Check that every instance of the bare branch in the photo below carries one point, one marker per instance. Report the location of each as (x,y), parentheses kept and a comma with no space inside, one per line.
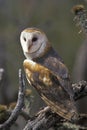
(20,103)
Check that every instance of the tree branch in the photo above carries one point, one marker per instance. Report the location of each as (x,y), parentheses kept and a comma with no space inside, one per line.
(20,103)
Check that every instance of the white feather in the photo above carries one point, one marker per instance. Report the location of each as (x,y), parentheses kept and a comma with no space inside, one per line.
(30,61)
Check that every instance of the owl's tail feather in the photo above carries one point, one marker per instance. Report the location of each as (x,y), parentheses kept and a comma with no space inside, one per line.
(68,115)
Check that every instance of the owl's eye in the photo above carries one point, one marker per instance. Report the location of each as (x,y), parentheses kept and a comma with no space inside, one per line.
(24,39)
(34,39)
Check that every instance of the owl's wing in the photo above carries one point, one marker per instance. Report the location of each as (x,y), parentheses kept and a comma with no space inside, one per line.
(49,87)
(59,69)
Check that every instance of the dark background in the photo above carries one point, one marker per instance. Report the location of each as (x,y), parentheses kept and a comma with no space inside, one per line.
(55,19)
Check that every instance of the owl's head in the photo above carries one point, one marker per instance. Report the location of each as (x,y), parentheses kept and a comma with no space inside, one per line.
(34,43)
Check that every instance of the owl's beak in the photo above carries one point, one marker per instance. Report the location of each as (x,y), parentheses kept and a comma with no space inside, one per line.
(29,46)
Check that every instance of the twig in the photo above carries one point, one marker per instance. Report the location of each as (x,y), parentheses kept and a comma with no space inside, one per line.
(20,103)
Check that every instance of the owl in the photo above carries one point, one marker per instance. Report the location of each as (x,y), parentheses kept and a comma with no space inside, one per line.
(47,73)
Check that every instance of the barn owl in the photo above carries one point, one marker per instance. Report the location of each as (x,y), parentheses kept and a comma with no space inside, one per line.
(47,73)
